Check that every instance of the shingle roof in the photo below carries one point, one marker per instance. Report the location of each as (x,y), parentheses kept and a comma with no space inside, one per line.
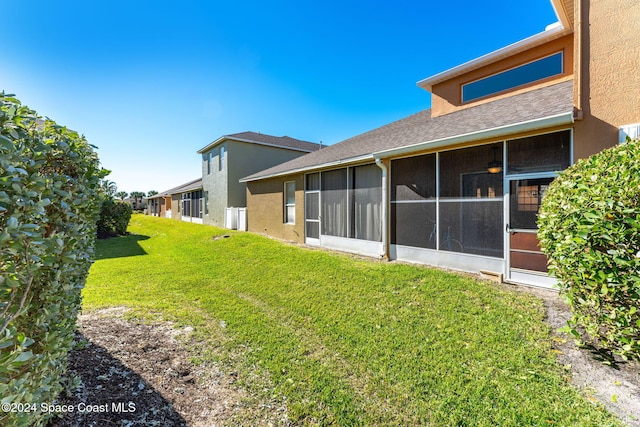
(183,188)
(421,128)
(260,138)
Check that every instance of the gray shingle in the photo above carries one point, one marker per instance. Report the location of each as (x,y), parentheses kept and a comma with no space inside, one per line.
(421,127)
(260,138)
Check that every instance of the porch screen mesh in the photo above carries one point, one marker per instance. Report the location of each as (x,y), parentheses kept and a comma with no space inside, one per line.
(334,203)
(366,184)
(312,206)
(472,227)
(413,201)
(471,202)
(312,230)
(414,224)
(548,152)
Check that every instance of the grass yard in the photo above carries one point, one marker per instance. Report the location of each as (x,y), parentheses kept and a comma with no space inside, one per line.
(345,341)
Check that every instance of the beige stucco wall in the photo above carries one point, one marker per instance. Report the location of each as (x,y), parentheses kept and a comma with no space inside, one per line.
(176,211)
(265,208)
(608,71)
(446,97)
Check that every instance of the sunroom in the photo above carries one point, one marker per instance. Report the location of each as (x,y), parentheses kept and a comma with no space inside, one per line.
(343,209)
(475,208)
(459,190)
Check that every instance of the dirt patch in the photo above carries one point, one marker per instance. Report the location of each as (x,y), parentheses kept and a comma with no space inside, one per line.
(135,374)
(616,386)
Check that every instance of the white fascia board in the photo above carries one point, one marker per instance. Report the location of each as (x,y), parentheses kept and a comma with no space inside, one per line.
(328,165)
(553,32)
(561,13)
(531,125)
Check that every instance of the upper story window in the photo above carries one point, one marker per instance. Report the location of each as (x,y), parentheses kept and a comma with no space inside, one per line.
(524,74)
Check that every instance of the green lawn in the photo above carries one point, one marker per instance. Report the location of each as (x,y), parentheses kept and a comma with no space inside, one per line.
(345,341)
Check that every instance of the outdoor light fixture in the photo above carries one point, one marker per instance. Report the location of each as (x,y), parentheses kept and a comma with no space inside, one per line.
(494,166)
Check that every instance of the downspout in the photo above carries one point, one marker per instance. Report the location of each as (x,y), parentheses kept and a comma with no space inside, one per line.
(385,226)
(578,60)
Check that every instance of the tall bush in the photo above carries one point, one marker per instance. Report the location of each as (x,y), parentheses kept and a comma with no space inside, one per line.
(590,229)
(114,218)
(49,201)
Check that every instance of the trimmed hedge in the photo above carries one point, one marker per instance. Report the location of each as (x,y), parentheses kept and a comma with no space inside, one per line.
(114,218)
(590,229)
(49,201)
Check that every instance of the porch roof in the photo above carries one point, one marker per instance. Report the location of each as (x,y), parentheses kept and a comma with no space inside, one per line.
(536,109)
(196,184)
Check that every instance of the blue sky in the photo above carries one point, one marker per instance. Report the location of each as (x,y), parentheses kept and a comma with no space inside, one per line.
(151,82)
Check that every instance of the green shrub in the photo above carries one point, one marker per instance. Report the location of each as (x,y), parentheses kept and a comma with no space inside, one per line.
(590,230)
(49,201)
(114,218)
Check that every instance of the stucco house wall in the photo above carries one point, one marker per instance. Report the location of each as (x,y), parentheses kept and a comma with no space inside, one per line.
(607,81)
(265,208)
(215,184)
(233,157)
(245,159)
(176,210)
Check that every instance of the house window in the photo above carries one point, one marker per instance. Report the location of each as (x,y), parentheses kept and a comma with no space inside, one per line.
(518,76)
(290,202)
(221,159)
(209,160)
(206,203)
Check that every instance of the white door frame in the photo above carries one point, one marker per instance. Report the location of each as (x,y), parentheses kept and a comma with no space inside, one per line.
(516,275)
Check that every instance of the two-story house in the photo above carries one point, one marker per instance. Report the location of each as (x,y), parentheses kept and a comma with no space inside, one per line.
(231,157)
(459,185)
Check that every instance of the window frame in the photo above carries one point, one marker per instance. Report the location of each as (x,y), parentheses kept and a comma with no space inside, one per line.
(221,155)
(488,94)
(287,218)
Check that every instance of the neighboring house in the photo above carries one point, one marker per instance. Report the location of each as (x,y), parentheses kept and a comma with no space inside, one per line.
(184,202)
(231,157)
(459,185)
(137,204)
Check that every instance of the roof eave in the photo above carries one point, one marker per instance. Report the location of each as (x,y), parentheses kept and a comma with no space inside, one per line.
(500,131)
(341,162)
(250,141)
(559,8)
(553,32)
(213,144)
(561,119)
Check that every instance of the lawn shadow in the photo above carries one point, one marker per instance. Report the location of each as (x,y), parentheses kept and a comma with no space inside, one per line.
(120,247)
(111,393)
